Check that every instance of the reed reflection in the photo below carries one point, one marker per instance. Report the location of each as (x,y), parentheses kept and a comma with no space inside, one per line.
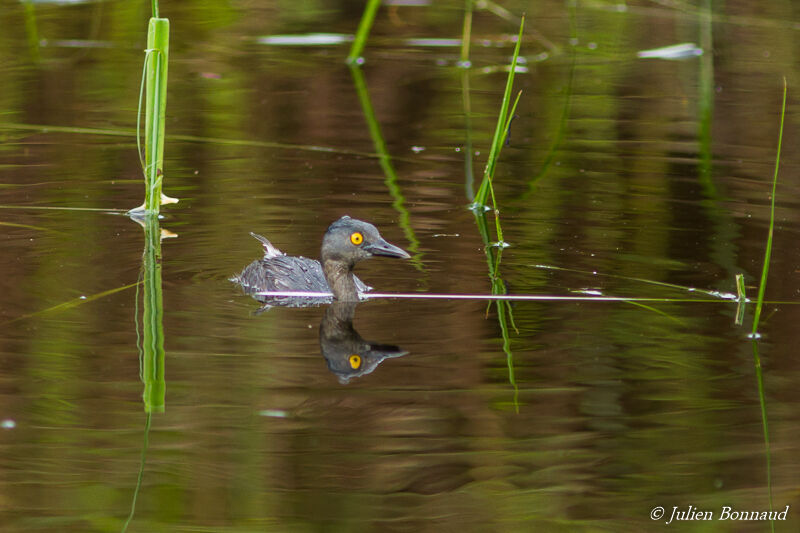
(151,341)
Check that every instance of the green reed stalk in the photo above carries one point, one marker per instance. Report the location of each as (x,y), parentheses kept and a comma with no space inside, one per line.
(768,252)
(363,31)
(501,130)
(156,62)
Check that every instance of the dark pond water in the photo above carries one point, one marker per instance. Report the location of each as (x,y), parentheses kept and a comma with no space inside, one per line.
(585,416)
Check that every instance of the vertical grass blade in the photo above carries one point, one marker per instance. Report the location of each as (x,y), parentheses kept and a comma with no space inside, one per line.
(155,110)
(501,131)
(363,32)
(768,252)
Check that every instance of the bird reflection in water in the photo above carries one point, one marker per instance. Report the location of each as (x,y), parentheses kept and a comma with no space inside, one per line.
(347,353)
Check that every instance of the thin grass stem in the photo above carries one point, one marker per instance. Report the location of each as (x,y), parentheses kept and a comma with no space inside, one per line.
(108,210)
(75,302)
(768,252)
(658,312)
(139,149)
(505,14)
(195,138)
(722,295)
(140,477)
(499,133)
(30,226)
(500,240)
(363,32)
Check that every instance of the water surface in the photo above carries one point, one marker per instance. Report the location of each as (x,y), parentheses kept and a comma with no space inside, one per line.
(588,417)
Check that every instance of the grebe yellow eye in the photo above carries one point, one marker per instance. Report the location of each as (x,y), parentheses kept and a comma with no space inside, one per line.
(356,238)
(355,361)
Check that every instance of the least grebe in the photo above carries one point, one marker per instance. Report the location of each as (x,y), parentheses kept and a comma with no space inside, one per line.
(346,242)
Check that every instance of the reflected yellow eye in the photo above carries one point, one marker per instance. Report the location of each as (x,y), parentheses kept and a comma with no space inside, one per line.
(355,359)
(356,238)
